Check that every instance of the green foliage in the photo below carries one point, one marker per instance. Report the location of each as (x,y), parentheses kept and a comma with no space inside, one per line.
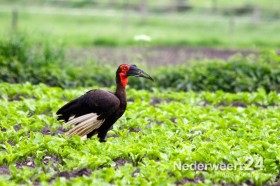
(238,74)
(150,139)
(22,60)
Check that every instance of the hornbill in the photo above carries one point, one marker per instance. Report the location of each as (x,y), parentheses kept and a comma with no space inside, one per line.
(97,110)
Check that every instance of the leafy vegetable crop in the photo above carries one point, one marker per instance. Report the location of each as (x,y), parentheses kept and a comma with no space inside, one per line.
(160,135)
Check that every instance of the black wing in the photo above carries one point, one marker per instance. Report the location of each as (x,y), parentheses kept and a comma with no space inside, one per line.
(102,102)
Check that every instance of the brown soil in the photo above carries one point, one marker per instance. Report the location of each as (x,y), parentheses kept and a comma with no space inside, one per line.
(154,56)
(135,173)
(197,179)
(240,104)
(46,131)
(11,142)
(156,101)
(28,162)
(248,182)
(134,130)
(19,97)
(55,160)
(233,104)
(72,174)
(121,162)
(112,136)
(17,127)
(4,170)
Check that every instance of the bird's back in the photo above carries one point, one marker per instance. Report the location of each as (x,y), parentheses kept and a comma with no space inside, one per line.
(101,102)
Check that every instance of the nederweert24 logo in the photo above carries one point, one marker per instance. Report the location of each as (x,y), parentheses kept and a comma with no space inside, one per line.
(249,164)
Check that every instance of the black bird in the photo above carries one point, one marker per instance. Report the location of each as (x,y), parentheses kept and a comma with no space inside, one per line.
(97,110)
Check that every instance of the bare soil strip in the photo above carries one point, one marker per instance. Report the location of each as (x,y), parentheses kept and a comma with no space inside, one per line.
(154,56)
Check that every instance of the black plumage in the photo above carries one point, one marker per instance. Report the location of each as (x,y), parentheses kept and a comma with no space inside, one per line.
(96,111)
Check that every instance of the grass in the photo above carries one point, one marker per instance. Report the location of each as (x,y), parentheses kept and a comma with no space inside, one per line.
(153,4)
(159,131)
(98,28)
(261,3)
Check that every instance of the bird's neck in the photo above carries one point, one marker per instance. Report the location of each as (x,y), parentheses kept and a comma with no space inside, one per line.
(120,91)
(123,79)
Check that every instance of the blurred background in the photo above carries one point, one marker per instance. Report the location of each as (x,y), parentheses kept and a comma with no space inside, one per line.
(149,33)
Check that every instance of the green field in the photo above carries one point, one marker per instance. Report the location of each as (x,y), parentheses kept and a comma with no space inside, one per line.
(98,27)
(160,131)
(272,4)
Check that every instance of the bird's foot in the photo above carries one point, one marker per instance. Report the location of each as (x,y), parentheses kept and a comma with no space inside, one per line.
(102,140)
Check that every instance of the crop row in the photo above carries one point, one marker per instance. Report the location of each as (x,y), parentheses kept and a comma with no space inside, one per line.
(160,131)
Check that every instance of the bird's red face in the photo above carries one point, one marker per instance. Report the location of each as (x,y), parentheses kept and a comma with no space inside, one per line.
(124,78)
(126,70)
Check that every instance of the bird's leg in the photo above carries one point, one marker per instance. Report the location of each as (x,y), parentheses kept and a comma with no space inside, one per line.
(102,135)
(92,133)
(102,140)
(103,132)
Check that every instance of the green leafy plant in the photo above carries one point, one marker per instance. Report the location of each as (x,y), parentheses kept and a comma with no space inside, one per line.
(161,132)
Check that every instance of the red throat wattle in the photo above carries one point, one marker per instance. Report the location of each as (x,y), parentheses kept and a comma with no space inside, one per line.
(124,79)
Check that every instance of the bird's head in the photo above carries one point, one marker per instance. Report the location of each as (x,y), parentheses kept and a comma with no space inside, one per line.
(126,70)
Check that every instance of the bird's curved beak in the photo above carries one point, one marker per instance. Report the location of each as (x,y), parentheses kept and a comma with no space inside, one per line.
(137,72)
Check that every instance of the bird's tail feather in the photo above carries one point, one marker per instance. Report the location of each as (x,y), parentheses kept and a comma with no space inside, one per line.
(84,124)
(75,121)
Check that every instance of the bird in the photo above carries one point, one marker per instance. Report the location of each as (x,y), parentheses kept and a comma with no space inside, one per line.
(97,110)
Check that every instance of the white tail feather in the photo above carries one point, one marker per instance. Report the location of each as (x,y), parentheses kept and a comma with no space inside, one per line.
(74,121)
(84,124)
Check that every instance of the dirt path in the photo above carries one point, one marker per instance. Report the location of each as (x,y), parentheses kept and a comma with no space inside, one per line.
(152,56)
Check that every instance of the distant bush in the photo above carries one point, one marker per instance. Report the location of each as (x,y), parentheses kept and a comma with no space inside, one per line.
(22,59)
(238,74)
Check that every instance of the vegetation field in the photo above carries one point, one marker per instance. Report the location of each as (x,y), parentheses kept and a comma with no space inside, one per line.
(164,138)
(98,27)
(272,4)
